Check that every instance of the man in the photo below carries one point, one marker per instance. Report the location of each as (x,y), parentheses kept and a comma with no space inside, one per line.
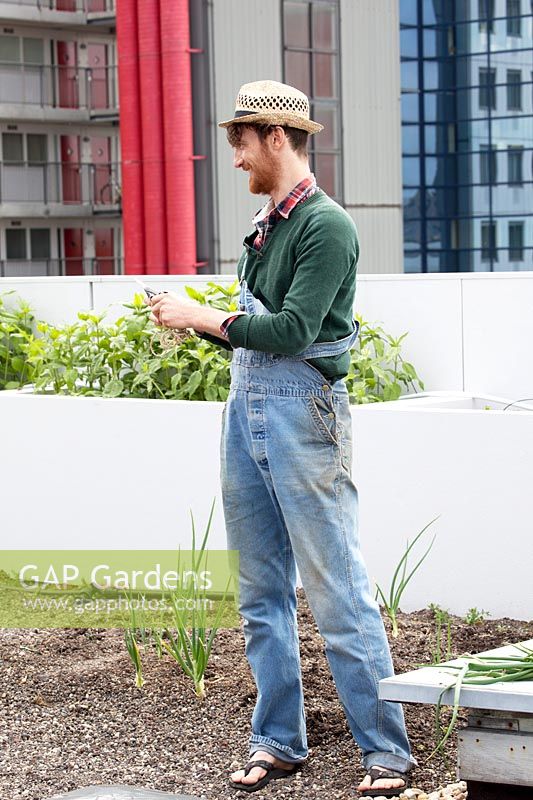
(288,496)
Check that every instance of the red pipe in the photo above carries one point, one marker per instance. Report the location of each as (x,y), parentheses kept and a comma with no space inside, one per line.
(178,127)
(130,138)
(151,102)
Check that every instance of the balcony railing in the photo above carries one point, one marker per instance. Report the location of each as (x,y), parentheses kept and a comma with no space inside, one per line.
(96,265)
(68,183)
(59,86)
(87,6)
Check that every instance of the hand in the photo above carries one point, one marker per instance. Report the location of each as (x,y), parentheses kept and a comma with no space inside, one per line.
(173,310)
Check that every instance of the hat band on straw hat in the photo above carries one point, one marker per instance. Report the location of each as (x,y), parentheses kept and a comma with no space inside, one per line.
(289,119)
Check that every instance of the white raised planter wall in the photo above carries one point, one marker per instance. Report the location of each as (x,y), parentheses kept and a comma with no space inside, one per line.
(117,473)
(450,456)
(467,332)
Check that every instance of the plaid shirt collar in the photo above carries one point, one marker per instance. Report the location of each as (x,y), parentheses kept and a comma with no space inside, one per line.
(269,215)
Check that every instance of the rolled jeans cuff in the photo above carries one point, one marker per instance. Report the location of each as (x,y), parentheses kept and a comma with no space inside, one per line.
(390,761)
(280,751)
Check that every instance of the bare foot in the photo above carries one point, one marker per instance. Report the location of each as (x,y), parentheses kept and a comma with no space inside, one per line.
(257,773)
(381,783)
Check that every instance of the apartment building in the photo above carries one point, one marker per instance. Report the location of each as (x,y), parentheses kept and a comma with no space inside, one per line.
(60,185)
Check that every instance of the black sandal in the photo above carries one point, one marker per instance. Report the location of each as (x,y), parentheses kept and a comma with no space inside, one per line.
(272,773)
(378,773)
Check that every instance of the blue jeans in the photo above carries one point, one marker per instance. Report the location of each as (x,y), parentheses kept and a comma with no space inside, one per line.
(289,500)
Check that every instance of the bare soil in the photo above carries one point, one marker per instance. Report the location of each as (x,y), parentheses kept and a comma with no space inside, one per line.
(70,715)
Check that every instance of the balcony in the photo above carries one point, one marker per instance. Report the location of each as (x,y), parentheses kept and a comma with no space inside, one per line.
(59,189)
(57,92)
(71,13)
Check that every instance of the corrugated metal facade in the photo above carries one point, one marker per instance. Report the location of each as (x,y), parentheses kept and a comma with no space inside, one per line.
(248,46)
(370,51)
(380,237)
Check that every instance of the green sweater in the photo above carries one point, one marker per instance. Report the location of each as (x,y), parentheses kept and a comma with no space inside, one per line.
(305,275)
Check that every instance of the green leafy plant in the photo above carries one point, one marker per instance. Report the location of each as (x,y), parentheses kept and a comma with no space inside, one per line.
(16,336)
(377,370)
(475,616)
(480,671)
(127,359)
(400,580)
(225,298)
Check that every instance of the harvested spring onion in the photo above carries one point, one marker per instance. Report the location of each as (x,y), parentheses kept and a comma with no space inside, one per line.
(480,671)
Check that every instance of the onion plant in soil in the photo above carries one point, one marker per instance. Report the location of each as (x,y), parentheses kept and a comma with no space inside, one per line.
(190,638)
(71,715)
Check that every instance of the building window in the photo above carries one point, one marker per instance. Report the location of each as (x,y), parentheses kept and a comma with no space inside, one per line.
(40,243)
(9,49)
(486,15)
(312,64)
(516,241)
(33,51)
(16,243)
(514,90)
(514,164)
(37,148)
(487,88)
(12,148)
(487,164)
(513,18)
(489,250)
(13,152)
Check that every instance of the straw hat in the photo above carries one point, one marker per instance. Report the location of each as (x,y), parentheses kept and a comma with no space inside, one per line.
(272,103)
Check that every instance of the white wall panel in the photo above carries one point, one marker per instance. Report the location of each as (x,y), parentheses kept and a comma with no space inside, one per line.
(248,47)
(54,300)
(430,309)
(58,300)
(473,468)
(94,485)
(498,332)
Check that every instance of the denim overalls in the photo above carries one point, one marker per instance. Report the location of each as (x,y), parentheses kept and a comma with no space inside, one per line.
(289,500)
